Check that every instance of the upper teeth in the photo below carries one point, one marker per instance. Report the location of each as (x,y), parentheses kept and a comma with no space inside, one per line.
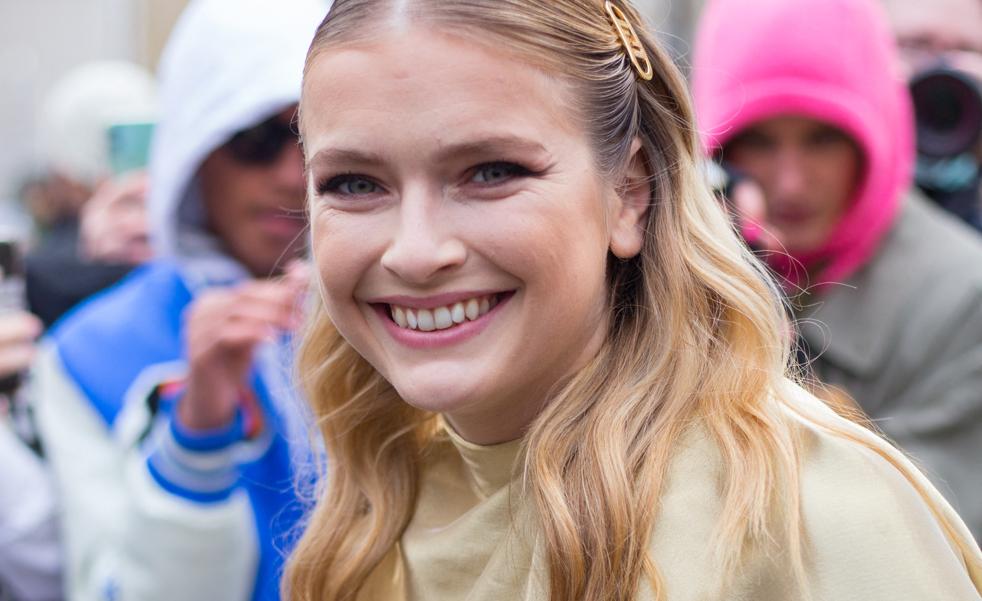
(442,318)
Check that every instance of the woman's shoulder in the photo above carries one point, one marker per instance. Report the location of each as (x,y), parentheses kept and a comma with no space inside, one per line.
(871,521)
(868,533)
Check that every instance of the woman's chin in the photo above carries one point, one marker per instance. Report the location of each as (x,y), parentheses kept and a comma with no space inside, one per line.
(440,384)
(440,397)
(436,403)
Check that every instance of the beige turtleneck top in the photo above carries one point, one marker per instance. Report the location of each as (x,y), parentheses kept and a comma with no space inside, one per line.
(869,535)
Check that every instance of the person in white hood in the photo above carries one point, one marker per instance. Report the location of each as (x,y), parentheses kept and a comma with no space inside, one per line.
(165,403)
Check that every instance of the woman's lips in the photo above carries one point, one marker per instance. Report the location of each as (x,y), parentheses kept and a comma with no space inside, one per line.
(793,217)
(435,326)
(442,317)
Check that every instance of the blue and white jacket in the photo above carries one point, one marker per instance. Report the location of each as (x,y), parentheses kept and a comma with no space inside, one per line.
(151,511)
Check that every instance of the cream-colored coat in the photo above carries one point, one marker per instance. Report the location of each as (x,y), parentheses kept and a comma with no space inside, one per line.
(870,536)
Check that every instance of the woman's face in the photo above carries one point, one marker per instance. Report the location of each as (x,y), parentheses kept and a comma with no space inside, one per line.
(460,227)
(809,172)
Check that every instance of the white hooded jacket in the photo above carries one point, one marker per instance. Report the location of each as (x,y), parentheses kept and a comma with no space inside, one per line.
(150,512)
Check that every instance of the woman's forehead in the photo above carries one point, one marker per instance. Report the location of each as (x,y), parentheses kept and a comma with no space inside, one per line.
(432,87)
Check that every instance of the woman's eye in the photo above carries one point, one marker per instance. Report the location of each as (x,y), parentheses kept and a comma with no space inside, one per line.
(495,173)
(828,137)
(349,185)
(756,141)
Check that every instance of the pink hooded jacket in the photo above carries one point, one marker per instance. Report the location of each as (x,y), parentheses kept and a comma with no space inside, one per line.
(830,60)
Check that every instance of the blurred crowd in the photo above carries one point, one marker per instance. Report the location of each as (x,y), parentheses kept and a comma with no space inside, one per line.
(150,421)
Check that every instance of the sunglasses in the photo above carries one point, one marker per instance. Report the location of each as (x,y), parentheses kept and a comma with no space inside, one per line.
(262,143)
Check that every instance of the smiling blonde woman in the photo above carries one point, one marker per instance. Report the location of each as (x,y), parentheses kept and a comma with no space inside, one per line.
(556,373)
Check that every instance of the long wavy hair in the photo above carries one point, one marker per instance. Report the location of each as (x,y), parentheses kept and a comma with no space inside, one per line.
(697,332)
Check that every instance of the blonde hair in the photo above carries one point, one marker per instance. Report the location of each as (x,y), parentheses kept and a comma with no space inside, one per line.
(697,333)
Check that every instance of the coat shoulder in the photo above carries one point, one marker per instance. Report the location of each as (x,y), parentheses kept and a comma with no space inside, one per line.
(870,530)
(932,248)
(109,340)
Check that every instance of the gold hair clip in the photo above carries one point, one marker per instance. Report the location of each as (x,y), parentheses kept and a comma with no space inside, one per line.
(631,42)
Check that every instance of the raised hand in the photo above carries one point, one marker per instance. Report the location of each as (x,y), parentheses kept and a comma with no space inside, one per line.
(224,328)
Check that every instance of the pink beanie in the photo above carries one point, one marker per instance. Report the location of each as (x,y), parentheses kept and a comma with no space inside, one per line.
(829,60)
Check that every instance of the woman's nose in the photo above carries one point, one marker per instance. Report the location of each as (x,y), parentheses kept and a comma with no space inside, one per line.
(423,246)
(791,174)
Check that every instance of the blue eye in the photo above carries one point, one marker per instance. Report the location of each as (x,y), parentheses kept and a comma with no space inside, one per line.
(349,185)
(496,173)
(357,186)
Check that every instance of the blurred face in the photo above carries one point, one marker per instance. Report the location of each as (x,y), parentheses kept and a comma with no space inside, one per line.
(253,191)
(460,227)
(808,171)
(929,31)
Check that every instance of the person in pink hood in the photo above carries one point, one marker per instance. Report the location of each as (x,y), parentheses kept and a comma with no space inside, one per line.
(806,98)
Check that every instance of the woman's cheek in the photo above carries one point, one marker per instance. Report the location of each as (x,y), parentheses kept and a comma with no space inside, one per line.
(339,254)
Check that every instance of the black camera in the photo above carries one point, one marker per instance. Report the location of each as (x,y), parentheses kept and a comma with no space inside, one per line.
(948,106)
(948,109)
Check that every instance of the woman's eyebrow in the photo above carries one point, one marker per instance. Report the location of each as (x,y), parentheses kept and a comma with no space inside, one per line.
(490,144)
(478,147)
(345,155)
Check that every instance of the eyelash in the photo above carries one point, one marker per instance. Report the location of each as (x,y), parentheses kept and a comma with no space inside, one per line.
(514,170)
(332,185)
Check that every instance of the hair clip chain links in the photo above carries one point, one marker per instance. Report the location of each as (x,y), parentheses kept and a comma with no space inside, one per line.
(631,42)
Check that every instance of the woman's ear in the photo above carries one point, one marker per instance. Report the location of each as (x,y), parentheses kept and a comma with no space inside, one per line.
(630,206)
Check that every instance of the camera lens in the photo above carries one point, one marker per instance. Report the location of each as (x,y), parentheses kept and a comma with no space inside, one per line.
(948,107)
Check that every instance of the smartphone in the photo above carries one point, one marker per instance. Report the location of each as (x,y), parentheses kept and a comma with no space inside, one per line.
(129,146)
(11,275)
(11,295)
